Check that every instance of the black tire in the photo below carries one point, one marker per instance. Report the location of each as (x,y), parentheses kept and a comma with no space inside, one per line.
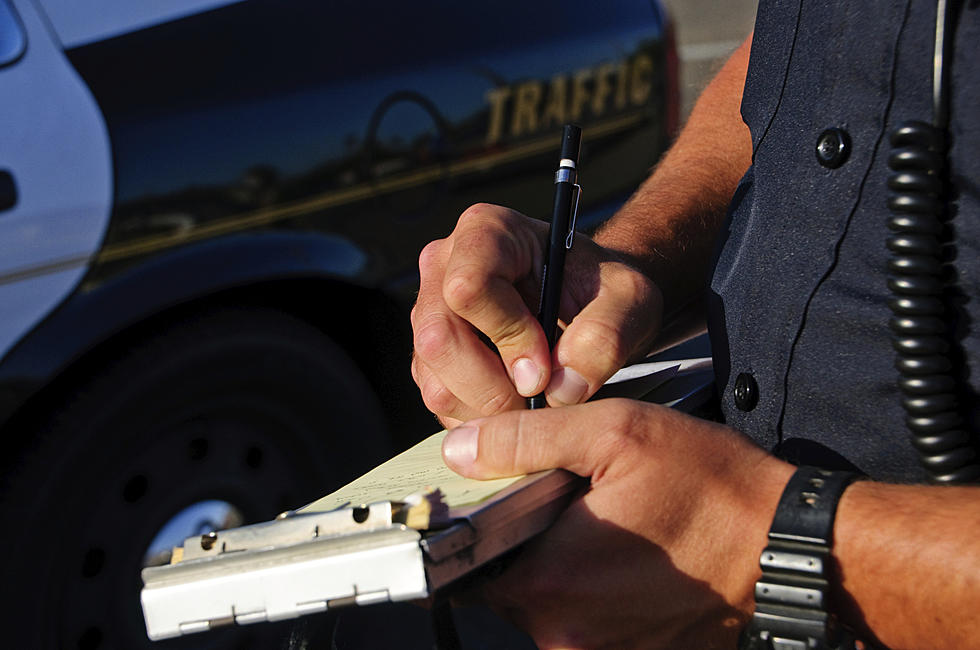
(250,407)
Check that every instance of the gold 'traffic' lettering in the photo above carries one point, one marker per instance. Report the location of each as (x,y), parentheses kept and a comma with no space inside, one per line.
(580,92)
(601,88)
(526,100)
(622,74)
(497,97)
(554,108)
(641,79)
(529,106)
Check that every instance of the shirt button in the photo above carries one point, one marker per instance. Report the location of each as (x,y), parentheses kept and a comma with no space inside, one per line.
(746,392)
(833,147)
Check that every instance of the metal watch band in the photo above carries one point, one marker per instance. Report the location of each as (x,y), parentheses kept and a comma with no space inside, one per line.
(790,598)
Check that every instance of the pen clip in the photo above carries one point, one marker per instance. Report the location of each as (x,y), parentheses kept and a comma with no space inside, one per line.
(571,228)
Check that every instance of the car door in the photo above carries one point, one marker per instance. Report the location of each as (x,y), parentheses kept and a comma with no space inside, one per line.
(55,172)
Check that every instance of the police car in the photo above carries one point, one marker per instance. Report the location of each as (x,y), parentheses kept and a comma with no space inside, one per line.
(210,218)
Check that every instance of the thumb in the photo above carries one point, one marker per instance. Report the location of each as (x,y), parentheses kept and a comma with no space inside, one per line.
(522,442)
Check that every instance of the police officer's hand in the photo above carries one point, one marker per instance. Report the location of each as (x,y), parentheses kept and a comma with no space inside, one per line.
(661,552)
(485,279)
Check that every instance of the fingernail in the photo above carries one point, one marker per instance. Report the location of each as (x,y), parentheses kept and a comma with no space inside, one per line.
(527,376)
(567,386)
(459,446)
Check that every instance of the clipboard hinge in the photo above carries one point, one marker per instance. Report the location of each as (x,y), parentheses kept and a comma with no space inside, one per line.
(286,581)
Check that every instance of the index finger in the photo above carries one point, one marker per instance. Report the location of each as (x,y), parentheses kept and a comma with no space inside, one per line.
(494,250)
(449,354)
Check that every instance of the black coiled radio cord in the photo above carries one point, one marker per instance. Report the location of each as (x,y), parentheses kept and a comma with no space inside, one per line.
(923,319)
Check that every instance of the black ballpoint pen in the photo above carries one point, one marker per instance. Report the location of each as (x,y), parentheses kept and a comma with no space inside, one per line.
(560,236)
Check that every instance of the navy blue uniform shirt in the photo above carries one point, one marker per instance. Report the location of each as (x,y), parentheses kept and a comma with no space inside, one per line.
(799,293)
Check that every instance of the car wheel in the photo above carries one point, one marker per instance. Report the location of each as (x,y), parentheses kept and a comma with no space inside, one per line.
(221,419)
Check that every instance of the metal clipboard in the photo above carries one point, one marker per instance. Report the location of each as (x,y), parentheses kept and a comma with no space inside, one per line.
(309,563)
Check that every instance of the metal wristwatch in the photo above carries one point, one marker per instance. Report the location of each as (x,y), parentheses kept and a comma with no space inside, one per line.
(791,597)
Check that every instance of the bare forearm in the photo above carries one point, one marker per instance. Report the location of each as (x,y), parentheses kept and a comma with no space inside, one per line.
(909,564)
(668,227)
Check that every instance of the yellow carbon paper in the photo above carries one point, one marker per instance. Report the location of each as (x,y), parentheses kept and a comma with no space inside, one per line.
(415,471)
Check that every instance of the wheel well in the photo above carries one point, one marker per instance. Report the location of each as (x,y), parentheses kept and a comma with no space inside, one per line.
(368,325)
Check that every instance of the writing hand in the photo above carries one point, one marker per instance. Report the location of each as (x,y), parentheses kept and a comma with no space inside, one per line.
(485,279)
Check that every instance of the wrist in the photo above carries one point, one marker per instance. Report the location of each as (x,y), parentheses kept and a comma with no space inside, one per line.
(744,506)
(768,480)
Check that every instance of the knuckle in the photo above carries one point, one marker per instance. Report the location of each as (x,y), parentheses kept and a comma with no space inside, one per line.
(476,212)
(437,398)
(633,414)
(431,254)
(416,370)
(523,438)
(464,289)
(480,220)
(509,334)
(603,343)
(636,285)
(495,403)
(433,338)
(624,431)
